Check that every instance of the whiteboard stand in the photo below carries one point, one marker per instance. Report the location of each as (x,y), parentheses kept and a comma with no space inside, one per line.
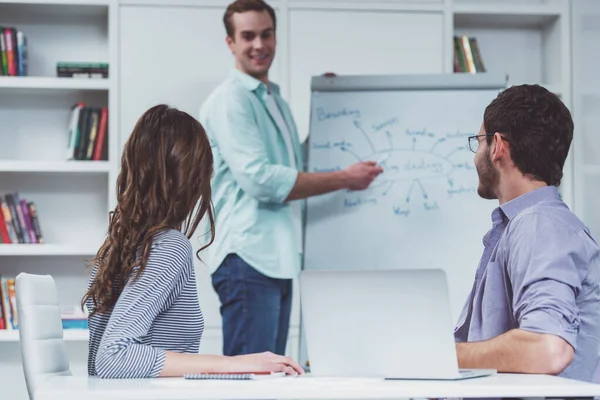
(424,210)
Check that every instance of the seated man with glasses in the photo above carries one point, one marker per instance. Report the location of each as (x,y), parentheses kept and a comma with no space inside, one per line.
(535,302)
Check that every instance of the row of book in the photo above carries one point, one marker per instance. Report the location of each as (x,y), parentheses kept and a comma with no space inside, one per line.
(13,52)
(88,139)
(81,70)
(19,222)
(9,318)
(467,57)
(72,317)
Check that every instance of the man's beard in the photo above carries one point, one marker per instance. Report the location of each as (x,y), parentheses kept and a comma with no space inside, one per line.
(488,177)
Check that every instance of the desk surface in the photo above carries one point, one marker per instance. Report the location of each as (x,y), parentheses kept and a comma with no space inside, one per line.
(304,388)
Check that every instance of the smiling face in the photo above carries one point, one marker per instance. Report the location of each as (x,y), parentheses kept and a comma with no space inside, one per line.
(253,44)
(488,175)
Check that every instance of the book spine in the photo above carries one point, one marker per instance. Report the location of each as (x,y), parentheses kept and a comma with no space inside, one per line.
(6,304)
(35,221)
(21,218)
(3,230)
(74,133)
(3,58)
(12,298)
(10,53)
(15,217)
(21,54)
(28,223)
(103,127)
(8,222)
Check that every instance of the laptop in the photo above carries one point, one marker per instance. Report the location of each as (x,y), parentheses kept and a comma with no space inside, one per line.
(391,324)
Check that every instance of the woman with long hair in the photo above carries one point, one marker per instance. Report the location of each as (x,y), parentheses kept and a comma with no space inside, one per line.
(145,319)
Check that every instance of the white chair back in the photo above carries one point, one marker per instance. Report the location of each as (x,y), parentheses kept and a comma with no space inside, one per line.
(43,349)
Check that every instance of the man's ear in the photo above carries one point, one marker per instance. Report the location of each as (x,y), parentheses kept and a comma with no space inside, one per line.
(229,40)
(499,147)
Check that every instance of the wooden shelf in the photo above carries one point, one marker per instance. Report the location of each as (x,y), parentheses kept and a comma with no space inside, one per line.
(69,335)
(55,166)
(505,15)
(52,83)
(43,249)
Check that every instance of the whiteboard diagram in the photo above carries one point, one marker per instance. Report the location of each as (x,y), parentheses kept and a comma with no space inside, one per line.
(411,159)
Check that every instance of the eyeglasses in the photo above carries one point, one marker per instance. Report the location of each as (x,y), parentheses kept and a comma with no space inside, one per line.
(474,142)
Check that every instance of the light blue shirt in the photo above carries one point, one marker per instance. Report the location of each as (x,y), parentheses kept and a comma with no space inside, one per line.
(253,175)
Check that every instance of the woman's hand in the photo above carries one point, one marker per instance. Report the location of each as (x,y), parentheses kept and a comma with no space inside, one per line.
(265,362)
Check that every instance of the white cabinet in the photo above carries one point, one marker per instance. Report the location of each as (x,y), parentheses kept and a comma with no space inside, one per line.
(586,102)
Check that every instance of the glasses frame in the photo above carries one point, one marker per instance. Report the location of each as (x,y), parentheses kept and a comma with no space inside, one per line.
(471,138)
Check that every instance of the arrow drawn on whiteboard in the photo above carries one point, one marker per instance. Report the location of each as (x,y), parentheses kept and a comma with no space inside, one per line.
(412,185)
(388,188)
(389,137)
(344,148)
(456,150)
(358,124)
(436,143)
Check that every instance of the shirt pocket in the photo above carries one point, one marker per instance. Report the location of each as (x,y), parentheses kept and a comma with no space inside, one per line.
(496,291)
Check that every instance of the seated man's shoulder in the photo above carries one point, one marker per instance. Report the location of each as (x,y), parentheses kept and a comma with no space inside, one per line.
(544,215)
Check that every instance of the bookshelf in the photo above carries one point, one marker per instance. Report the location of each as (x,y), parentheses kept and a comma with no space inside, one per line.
(73,197)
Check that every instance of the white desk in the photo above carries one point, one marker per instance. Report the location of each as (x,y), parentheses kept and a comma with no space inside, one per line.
(305,388)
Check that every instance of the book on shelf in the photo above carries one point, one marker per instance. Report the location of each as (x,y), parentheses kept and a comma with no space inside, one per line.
(88,138)
(73,317)
(81,70)
(19,222)
(467,57)
(13,52)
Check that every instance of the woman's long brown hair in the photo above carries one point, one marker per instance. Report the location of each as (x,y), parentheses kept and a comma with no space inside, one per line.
(165,173)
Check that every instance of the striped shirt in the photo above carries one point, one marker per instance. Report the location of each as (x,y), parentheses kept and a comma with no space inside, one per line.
(156,313)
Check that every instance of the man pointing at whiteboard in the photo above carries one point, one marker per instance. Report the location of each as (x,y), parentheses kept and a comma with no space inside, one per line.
(258,182)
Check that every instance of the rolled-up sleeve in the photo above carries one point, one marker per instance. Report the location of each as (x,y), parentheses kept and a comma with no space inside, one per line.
(233,126)
(543,267)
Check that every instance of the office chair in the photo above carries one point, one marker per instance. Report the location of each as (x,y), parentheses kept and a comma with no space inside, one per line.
(43,350)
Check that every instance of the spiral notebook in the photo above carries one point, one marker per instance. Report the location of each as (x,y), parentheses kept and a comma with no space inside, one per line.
(237,376)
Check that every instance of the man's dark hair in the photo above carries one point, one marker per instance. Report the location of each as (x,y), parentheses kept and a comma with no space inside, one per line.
(241,6)
(538,127)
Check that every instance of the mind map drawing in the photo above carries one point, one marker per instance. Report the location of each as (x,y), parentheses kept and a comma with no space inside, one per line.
(414,162)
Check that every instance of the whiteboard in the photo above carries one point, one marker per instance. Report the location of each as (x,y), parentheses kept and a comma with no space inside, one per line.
(424,210)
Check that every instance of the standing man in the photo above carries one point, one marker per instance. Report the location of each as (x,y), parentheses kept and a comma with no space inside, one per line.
(257,187)
(535,303)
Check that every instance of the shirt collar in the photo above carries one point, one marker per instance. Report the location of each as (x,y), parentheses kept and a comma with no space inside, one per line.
(518,204)
(251,83)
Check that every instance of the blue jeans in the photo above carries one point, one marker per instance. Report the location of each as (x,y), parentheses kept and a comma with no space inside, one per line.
(255,308)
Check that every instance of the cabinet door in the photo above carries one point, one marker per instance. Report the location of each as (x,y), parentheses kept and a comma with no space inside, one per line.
(359,42)
(586,104)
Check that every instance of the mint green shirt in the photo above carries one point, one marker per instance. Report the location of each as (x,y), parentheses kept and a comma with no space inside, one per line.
(253,175)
